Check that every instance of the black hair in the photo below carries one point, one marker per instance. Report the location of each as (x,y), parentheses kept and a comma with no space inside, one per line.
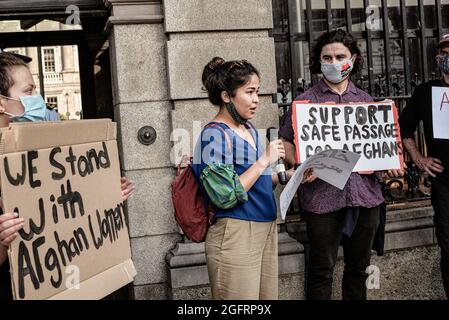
(8,61)
(339,36)
(220,75)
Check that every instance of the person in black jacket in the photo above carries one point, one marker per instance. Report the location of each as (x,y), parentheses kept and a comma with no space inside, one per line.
(436,163)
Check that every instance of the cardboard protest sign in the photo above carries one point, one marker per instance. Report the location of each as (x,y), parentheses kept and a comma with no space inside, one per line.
(369,129)
(440,112)
(63,178)
(332,166)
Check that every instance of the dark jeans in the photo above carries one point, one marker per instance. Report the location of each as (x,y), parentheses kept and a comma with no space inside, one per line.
(440,203)
(325,233)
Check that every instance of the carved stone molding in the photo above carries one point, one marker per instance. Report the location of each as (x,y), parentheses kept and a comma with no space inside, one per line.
(134,12)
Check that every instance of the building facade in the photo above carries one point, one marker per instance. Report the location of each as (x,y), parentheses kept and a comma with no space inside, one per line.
(60,83)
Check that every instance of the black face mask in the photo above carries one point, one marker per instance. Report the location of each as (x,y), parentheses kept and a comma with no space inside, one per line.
(234,114)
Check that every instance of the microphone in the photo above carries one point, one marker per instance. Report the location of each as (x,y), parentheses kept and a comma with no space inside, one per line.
(272,134)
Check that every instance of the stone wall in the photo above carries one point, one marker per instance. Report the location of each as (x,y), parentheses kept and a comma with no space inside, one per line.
(199,30)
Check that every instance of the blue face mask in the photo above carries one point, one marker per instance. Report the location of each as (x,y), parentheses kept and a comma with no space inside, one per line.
(34,109)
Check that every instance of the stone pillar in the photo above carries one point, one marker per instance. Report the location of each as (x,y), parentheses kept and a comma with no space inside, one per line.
(67,58)
(140,95)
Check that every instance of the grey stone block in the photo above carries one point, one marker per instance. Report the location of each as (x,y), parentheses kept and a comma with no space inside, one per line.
(150,208)
(189,276)
(410,214)
(288,245)
(403,220)
(132,117)
(139,71)
(158,291)
(148,254)
(291,255)
(188,58)
(187,254)
(201,15)
(292,263)
(409,239)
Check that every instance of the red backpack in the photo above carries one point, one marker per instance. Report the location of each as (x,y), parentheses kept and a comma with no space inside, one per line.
(189,201)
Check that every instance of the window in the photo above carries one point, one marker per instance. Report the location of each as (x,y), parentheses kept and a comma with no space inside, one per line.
(49,60)
(52,101)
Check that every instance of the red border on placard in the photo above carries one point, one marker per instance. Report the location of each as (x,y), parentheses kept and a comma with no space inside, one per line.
(396,121)
(398,138)
(295,127)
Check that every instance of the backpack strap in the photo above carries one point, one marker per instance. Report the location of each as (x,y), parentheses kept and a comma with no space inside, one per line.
(185,160)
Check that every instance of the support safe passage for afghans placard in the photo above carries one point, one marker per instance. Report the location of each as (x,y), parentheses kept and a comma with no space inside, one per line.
(75,242)
(369,129)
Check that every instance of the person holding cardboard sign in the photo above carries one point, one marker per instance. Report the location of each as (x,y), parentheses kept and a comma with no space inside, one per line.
(430,104)
(333,216)
(234,172)
(20,103)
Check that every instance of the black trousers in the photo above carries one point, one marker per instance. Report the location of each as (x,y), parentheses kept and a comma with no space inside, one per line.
(440,204)
(325,233)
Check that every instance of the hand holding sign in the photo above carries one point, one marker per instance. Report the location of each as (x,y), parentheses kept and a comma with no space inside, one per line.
(10,224)
(332,166)
(308,176)
(127,188)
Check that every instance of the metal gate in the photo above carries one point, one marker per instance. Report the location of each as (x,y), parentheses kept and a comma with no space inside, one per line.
(397,39)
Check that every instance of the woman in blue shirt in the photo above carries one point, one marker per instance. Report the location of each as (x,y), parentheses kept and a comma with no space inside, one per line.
(234,171)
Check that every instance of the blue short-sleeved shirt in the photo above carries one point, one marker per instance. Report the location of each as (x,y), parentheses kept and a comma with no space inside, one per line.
(51,115)
(213,147)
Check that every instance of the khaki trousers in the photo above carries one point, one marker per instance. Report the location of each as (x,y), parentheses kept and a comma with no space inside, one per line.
(242,259)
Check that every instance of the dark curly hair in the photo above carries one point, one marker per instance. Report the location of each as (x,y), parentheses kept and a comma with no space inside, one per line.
(220,75)
(340,36)
(8,61)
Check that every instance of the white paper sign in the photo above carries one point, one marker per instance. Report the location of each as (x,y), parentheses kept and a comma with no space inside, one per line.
(369,129)
(332,166)
(440,112)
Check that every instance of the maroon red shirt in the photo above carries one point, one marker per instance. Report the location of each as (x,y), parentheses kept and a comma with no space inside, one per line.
(360,190)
